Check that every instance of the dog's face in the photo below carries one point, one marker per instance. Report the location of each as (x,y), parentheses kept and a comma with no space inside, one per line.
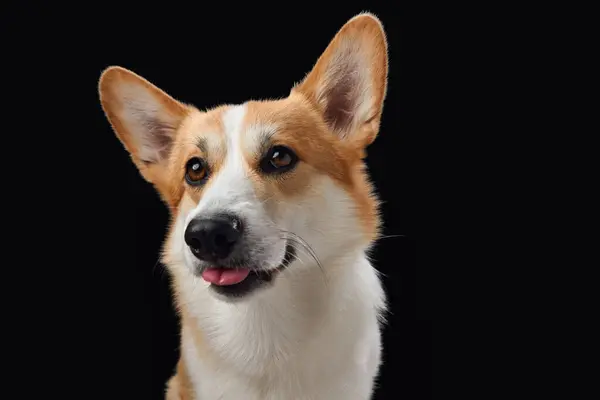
(253,187)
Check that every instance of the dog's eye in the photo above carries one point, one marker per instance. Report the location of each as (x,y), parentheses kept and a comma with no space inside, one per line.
(278,159)
(195,171)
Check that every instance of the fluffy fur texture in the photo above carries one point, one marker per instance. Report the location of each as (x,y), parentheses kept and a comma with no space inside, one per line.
(314,331)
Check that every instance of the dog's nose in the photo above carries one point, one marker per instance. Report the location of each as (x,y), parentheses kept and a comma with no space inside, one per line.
(213,239)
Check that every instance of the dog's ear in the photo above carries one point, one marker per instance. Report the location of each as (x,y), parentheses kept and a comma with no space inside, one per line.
(348,83)
(143,117)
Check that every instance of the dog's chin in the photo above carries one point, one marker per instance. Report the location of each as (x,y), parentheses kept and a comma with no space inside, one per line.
(233,284)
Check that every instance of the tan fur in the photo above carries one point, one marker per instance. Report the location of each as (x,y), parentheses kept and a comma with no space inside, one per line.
(300,125)
(179,386)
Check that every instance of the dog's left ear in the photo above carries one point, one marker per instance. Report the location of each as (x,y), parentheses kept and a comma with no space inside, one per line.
(349,81)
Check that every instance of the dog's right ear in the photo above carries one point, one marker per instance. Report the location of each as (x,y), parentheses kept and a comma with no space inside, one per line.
(144,118)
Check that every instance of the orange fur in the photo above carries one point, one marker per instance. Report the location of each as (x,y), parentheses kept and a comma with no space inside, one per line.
(179,386)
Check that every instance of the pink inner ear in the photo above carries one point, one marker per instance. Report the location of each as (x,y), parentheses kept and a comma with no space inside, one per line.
(157,141)
(341,100)
(348,82)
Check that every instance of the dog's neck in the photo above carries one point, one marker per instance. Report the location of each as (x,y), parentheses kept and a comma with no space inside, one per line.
(305,307)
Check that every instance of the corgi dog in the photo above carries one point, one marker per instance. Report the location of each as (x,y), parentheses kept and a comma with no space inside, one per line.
(272,217)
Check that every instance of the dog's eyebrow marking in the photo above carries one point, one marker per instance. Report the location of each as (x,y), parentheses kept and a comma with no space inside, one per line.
(202,145)
(265,138)
(265,141)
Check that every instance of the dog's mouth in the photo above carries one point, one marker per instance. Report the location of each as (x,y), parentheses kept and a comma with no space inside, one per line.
(237,282)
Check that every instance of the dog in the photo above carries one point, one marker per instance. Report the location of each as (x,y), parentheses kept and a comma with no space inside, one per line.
(272,219)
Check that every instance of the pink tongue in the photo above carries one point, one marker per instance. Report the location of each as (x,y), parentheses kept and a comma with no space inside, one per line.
(224,277)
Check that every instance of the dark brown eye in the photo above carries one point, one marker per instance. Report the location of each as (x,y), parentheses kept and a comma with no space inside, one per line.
(195,171)
(278,159)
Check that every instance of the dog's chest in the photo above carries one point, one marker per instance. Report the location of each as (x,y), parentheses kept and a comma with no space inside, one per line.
(228,384)
(331,374)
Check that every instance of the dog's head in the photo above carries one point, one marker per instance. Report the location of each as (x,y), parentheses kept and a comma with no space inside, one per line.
(252,187)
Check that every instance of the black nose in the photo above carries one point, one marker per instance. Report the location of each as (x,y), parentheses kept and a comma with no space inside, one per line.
(213,239)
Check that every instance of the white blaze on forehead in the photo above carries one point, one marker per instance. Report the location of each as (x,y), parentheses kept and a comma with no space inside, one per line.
(233,120)
(230,189)
(233,125)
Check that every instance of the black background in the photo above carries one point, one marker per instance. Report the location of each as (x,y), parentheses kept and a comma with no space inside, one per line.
(115,295)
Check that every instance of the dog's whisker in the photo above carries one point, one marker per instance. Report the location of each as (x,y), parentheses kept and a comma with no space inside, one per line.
(305,246)
(318,231)
(391,236)
(308,250)
(295,238)
(159,265)
(298,249)
(301,250)
(267,199)
(288,272)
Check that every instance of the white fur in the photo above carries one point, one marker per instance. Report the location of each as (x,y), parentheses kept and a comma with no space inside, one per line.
(315,333)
